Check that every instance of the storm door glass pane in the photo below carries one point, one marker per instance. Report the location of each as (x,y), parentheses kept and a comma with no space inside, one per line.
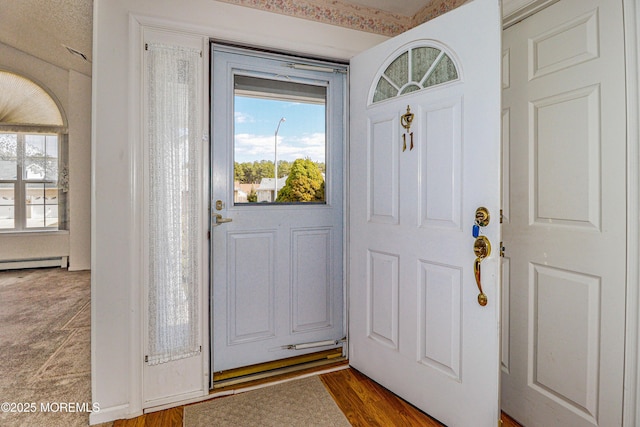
(7,206)
(280,127)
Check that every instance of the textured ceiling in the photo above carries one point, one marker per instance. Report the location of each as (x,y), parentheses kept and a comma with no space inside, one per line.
(43,28)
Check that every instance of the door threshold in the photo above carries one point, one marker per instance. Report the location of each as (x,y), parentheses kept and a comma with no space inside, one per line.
(283,369)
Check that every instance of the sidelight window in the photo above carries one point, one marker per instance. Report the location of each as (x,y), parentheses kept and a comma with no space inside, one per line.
(172,83)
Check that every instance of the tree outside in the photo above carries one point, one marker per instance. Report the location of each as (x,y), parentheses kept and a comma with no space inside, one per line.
(252,197)
(304,184)
(263,136)
(253,172)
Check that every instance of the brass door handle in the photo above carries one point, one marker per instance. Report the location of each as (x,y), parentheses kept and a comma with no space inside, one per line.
(217,219)
(482,249)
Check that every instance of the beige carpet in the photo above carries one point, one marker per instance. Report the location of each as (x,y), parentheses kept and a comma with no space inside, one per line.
(45,346)
(304,402)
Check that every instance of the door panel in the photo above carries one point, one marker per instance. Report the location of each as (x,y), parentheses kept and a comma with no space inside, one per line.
(382,299)
(440,317)
(384,169)
(576,137)
(440,183)
(277,266)
(251,291)
(416,325)
(311,281)
(565,234)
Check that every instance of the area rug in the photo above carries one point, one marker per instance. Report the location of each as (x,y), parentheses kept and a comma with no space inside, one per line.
(304,402)
(45,347)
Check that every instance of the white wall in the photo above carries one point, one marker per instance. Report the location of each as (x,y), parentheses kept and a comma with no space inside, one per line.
(116,286)
(79,115)
(73,92)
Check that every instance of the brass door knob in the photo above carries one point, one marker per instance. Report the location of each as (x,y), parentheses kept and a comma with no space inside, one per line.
(482,249)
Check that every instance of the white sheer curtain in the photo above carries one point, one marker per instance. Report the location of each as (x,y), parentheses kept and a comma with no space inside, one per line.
(173,209)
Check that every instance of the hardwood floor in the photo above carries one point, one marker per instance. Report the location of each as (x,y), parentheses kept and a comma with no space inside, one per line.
(364,402)
(367,404)
(167,418)
(507,421)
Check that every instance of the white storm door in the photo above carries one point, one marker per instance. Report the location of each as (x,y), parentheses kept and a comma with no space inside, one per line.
(415,324)
(277,267)
(565,216)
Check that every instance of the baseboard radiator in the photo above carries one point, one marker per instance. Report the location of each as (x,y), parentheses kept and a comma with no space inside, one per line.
(62,262)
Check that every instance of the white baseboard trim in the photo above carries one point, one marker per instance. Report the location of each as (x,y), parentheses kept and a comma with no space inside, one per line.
(112,413)
(61,262)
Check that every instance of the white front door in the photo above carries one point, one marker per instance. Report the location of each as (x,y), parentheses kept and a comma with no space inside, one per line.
(415,322)
(277,267)
(565,216)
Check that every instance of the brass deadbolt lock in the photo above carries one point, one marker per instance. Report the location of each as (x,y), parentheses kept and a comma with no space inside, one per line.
(482,216)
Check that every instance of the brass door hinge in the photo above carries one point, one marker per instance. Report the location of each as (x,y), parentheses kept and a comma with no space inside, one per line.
(501,216)
(502,249)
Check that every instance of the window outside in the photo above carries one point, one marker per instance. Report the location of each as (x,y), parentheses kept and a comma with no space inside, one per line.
(280,127)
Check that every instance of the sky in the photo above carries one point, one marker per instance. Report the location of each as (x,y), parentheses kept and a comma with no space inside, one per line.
(301,135)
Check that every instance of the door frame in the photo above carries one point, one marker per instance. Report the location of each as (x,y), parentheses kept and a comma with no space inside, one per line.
(514,11)
(266,54)
(631,395)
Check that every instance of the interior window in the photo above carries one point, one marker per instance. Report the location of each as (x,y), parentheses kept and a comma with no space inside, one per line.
(29,181)
(33,178)
(280,129)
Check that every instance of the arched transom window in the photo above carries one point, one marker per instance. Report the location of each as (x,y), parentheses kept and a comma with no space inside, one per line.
(415,69)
